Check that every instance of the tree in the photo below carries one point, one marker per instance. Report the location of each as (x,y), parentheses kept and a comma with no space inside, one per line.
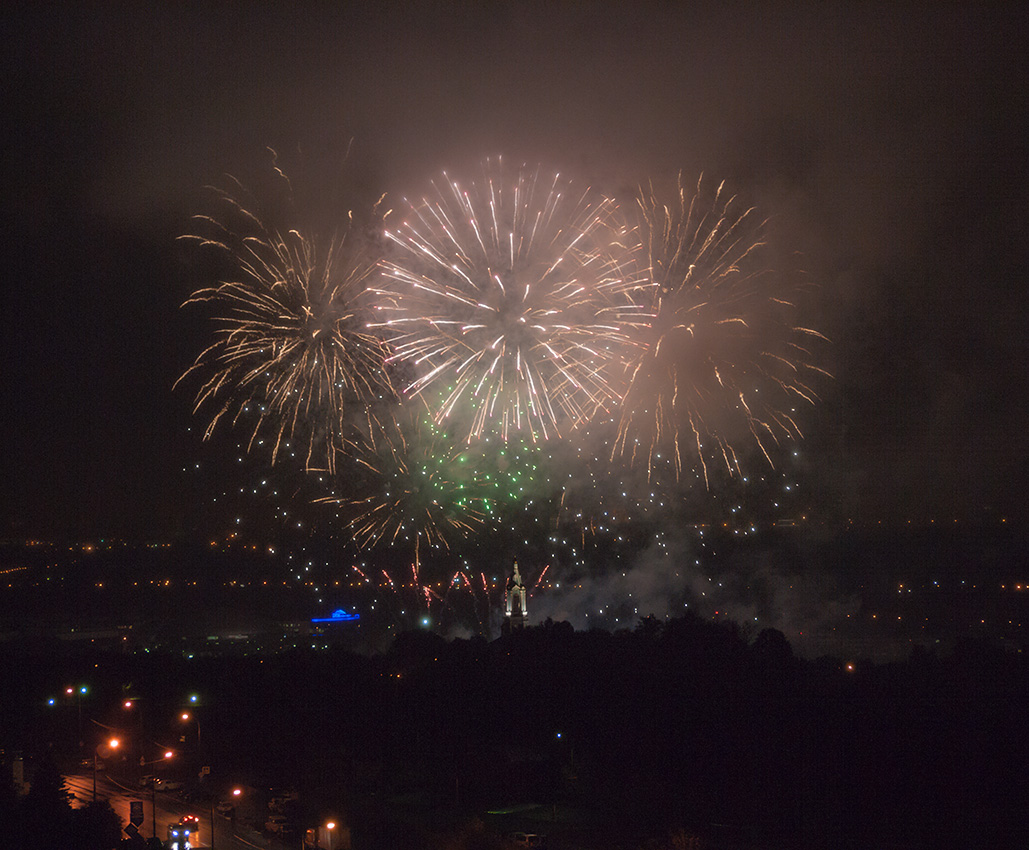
(8,796)
(45,815)
(97,826)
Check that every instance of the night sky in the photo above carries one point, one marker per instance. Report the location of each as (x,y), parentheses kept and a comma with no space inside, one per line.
(883,139)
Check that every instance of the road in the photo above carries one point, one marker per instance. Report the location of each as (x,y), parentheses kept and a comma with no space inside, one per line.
(168,809)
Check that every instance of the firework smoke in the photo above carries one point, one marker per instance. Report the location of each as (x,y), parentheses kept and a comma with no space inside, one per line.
(718,360)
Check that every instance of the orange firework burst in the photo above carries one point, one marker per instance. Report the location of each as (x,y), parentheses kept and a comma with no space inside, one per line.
(293,354)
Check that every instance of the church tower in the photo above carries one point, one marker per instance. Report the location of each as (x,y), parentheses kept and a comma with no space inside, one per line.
(516,612)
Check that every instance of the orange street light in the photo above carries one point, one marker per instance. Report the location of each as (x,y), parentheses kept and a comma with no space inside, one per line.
(164,757)
(185,717)
(113,744)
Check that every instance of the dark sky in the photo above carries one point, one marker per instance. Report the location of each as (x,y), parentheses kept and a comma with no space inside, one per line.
(884,139)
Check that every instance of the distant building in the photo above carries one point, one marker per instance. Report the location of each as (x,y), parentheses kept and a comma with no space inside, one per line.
(516,612)
(17,773)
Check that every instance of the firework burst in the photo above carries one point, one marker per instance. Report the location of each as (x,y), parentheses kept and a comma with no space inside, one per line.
(718,361)
(497,296)
(411,485)
(293,356)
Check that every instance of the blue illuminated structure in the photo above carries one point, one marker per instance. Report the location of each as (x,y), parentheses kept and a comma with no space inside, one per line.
(338,616)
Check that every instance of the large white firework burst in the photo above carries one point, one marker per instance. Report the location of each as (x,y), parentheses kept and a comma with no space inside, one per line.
(498,296)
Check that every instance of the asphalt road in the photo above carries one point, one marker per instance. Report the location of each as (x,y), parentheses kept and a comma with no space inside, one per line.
(167,809)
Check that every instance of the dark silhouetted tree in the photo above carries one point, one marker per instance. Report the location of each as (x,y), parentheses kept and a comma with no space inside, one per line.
(97,826)
(45,815)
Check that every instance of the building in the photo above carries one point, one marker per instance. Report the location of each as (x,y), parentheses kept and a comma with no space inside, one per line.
(516,612)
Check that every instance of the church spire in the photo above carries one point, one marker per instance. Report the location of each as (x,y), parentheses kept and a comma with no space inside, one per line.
(516,612)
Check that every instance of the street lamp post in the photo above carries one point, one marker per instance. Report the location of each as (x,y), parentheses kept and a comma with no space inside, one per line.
(132,705)
(329,827)
(153,788)
(189,713)
(78,693)
(113,744)
(186,717)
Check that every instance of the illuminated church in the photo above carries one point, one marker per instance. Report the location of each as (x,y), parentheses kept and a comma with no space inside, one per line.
(516,595)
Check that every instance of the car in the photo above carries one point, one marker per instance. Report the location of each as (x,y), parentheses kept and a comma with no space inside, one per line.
(277,825)
(168,785)
(527,839)
(184,834)
(281,799)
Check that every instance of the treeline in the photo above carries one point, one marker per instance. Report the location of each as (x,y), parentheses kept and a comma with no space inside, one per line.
(686,724)
(43,818)
(673,725)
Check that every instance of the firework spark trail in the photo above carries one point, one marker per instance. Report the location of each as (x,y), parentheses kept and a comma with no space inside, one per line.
(499,296)
(414,486)
(293,352)
(423,590)
(482,604)
(717,360)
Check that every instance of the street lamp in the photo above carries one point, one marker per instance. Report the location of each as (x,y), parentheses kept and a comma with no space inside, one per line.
(153,788)
(167,754)
(131,704)
(185,717)
(329,827)
(236,793)
(113,744)
(78,693)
